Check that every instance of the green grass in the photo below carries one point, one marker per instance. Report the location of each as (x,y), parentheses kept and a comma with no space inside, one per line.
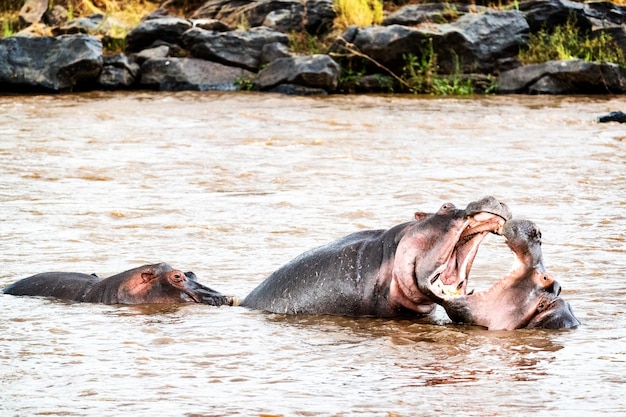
(567,42)
(421,76)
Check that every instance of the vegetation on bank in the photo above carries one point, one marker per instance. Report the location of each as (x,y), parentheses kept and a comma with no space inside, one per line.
(419,74)
(567,42)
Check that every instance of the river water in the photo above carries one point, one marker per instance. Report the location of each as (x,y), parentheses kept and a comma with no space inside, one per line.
(234,185)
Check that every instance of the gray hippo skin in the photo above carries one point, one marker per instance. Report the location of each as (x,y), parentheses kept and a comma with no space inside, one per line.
(156,284)
(376,273)
(527,297)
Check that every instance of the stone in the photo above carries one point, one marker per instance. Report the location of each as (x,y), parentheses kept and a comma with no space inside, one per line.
(545,14)
(273,51)
(313,71)
(118,71)
(415,14)
(176,74)
(319,16)
(614,116)
(564,77)
(167,29)
(49,63)
(237,48)
(289,14)
(480,42)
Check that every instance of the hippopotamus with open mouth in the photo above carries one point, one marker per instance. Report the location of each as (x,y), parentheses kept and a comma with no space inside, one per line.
(158,283)
(527,297)
(380,273)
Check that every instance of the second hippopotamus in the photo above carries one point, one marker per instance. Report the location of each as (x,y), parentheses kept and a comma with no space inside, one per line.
(527,297)
(157,283)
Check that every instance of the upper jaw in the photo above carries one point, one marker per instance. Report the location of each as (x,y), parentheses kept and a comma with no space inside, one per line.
(451,277)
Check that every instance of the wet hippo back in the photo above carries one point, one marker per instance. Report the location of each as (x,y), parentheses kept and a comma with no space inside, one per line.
(331,279)
(63,285)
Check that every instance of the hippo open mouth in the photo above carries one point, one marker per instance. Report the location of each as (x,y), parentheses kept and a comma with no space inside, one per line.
(452,276)
(527,297)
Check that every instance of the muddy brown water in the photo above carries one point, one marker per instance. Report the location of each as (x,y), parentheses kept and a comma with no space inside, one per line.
(234,185)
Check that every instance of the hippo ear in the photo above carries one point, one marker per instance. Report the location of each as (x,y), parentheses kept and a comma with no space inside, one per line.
(420,215)
(148,276)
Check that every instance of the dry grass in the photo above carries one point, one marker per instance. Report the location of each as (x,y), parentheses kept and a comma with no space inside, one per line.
(128,12)
(358,12)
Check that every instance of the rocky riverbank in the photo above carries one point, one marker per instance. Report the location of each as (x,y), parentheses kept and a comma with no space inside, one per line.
(244,44)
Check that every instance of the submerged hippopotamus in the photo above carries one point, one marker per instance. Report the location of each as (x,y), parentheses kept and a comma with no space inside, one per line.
(379,273)
(527,297)
(158,283)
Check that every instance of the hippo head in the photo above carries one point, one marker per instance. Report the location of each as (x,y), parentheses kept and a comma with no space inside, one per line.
(157,283)
(440,248)
(527,297)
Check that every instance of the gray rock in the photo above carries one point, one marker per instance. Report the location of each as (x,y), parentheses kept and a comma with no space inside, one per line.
(49,63)
(89,25)
(415,14)
(319,16)
(387,45)
(313,71)
(273,51)
(284,20)
(480,42)
(614,116)
(545,14)
(605,14)
(237,48)
(564,77)
(161,51)
(118,72)
(248,13)
(166,29)
(175,74)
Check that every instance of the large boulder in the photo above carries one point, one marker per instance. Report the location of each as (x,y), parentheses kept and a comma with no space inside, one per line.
(387,45)
(165,29)
(476,42)
(480,42)
(237,48)
(175,74)
(545,14)
(564,77)
(312,71)
(49,63)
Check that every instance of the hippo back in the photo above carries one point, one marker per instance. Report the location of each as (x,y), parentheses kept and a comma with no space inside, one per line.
(65,285)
